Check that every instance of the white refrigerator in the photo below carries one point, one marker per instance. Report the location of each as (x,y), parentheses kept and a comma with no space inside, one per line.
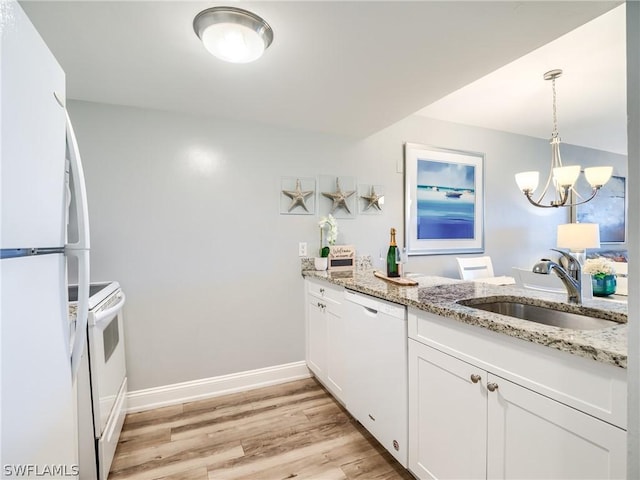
(40,176)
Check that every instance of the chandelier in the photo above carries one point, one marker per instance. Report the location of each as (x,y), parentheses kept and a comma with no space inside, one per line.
(560,177)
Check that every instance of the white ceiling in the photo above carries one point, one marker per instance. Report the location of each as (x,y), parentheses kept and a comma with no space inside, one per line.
(348,68)
(591,93)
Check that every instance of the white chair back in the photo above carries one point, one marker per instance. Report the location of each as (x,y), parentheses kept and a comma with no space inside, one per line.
(536,281)
(548,283)
(471,268)
(622,269)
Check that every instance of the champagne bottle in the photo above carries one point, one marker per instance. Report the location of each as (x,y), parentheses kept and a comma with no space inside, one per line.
(392,266)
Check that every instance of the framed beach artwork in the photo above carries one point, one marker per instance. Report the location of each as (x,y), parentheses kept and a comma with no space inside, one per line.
(608,209)
(444,200)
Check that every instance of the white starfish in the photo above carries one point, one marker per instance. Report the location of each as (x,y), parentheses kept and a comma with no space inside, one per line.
(339,197)
(374,199)
(297,196)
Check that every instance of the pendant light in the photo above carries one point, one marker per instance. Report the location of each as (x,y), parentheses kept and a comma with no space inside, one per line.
(233,34)
(562,178)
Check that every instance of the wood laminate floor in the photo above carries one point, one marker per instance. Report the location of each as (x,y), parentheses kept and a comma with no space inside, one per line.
(290,431)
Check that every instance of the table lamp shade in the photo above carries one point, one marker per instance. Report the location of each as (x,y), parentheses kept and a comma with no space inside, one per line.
(578,236)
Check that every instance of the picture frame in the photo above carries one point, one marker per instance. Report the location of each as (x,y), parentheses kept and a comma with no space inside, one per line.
(342,258)
(444,200)
(608,209)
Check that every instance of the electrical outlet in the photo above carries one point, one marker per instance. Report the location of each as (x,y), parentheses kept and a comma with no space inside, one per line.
(302,249)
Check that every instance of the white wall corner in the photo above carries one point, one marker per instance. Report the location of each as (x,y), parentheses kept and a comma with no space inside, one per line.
(176,393)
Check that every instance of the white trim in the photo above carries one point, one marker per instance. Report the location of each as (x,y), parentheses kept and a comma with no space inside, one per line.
(176,393)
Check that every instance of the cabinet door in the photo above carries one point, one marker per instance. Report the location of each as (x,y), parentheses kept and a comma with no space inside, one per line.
(336,345)
(326,342)
(447,416)
(316,337)
(532,436)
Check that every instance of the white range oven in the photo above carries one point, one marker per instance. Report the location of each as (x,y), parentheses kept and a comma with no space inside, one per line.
(102,380)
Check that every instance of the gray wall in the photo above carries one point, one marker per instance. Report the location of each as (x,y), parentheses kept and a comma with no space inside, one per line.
(633,110)
(184,213)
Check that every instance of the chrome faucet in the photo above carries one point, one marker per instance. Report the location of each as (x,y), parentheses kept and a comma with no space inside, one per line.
(571,277)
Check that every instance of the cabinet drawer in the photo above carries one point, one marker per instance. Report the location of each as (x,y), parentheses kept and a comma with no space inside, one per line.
(325,291)
(593,387)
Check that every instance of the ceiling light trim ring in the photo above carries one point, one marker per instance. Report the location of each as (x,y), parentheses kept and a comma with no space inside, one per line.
(215,15)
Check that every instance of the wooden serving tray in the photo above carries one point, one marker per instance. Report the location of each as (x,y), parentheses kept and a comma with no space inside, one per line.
(404,282)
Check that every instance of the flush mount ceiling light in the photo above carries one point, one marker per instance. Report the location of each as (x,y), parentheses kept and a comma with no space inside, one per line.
(562,178)
(233,34)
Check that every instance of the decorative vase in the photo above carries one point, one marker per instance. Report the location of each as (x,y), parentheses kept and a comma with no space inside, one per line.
(321,263)
(603,286)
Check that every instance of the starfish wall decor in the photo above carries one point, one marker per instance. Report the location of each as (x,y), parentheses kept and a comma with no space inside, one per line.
(373,201)
(298,197)
(339,197)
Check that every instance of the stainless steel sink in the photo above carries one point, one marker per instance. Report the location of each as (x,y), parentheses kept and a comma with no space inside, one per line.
(546,316)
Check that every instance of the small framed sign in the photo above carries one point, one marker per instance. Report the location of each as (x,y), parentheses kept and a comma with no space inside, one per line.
(342,257)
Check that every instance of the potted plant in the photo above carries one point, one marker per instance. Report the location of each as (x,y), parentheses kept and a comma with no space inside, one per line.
(331,224)
(603,275)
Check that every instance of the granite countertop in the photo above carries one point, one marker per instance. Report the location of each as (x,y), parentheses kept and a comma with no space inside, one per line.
(439,295)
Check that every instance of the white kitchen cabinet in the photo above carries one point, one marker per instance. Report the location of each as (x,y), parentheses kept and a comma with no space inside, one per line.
(325,336)
(336,348)
(533,436)
(447,416)
(377,369)
(316,336)
(465,421)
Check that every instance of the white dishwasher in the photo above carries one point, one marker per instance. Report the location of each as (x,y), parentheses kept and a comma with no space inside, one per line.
(376,363)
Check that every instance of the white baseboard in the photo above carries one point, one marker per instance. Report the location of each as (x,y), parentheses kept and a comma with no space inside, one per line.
(176,393)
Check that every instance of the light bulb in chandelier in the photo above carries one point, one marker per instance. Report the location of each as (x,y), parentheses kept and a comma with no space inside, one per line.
(598,176)
(528,181)
(566,176)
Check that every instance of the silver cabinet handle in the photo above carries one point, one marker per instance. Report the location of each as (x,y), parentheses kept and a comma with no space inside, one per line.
(492,387)
(475,378)
(322,291)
